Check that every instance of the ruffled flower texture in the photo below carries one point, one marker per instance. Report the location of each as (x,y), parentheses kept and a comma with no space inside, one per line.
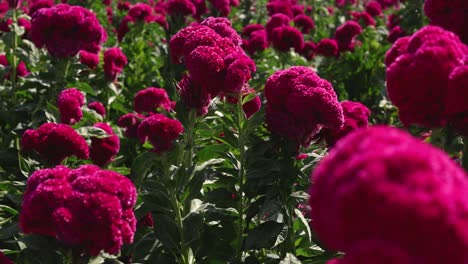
(345,35)
(86,208)
(256,38)
(450,15)
(103,150)
(55,142)
(150,99)
(382,196)
(130,123)
(98,107)
(69,103)
(89,59)
(300,103)
(65,30)
(356,115)
(160,130)
(418,76)
(216,63)
(114,62)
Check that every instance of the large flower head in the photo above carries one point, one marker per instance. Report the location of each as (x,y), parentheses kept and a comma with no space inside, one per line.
(418,70)
(381,184)
(160,130)
(300,103)
(150,99)
(450,15)
(87,208)
(55,142)
(65,30)
(114,62)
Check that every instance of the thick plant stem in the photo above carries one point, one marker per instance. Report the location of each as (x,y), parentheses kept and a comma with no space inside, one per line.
(184,250)
(465,154)
(241,176)
(14,59)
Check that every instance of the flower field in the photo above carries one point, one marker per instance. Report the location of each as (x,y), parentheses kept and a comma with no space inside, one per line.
(234,131)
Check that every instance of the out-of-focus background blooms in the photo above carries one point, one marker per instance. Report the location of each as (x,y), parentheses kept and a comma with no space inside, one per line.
(234,131)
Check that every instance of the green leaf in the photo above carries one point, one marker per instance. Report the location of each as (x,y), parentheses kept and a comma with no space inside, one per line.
(290,259)
(210,152)
(166,231)
(263,236)
(142,165)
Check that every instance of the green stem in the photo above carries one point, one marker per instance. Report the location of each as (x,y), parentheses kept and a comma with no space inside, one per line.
(241,175)
(189,139)
(14,59)
(184,250)
(465,154)
(289,242)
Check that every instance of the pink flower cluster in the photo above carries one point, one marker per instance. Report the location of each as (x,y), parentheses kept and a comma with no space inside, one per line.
(87,208)
(103,150)
(21,70)
(147,124)
(55,142)
(69,103)
(427,77)
(356,115)
(255,38)
(450,15)
(382,196)
(282,36)
(65,30)
(216,63)
(300,103)
(140,12)
(114,62)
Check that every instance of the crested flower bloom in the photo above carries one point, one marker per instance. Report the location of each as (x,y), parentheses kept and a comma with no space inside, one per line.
(114,62)
(277,20)
(300,103)
(181,7)
(327,48)
(140,12)
(256,38)
(450,15)
(223,6)
(286,37)
(98,107)
(456,108)
(356,115)
(194,96)
(418,70)
(130,122)
(150,99)
(69,103)
(375,174)
(38,5)
(309,50)
(124,27)
(89,59)
(304,23)
(345,35)
(374,8)
(160,131)
(212,54)
(396,33)
(103,150)
(55,142)
(65,30)
(21,70)
(363,18)
(280,7)
(87,208)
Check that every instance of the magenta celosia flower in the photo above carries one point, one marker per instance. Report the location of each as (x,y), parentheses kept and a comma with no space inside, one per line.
(286,37)
(124,5)
(345,34)
(146,221)
(150,99)
(304,23)
(89,59)
(130,122)
(103,150)
(55,142)
(21,70)
(341,3)
(64,30)
(277,20)
(299,9)
(222,6)
(450,15)
(86,208)
(280,7)
(98,107)
(396,33)
(124,27)
(160,130)
(181,7)
(114,62)
(374,8)
(356,115)
(140,11)
(40,4)
(456,108)
(308,51)
(393,20)
(417,78)
(398,48)
(223,27)
(300,103)
(257,39)
(69,103)
(251,107)
(194,96)
(327,47)
(363,18)
(382,184)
